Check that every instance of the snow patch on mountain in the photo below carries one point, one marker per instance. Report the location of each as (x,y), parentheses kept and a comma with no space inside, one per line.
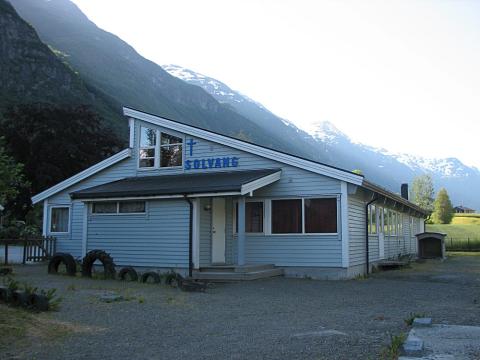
(327,134)
(219,90)
(326,131)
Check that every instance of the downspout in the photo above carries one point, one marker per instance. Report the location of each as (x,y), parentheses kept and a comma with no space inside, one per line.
(190,237)
(367,248)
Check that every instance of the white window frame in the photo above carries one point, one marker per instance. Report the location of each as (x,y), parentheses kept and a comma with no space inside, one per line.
(303,233)
(118,213)
(370,219)
(140,148)
(160,146)
(234,221)
(157,148)
(69,207)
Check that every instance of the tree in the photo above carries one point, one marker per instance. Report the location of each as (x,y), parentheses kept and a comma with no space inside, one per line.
(443,209)
(11,176)
(422,193)
(53,143)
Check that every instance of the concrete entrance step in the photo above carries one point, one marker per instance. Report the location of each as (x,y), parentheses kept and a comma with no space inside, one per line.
(391,264)
(226,276)
(237,268)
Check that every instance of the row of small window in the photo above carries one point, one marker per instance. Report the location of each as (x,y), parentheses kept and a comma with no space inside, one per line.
(60,215)
(386,221)
(159,149)
(292,216)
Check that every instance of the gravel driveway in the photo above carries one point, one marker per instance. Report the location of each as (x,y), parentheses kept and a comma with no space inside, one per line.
(266,319)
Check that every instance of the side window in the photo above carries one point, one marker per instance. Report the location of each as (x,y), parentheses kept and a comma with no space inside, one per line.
(148,141)
(320,216)
(287,216)
(372,219)
(59,219)
(170,150)
(119,207)
(253,217)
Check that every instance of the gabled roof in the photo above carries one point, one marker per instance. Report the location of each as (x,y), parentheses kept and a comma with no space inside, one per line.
(82,175)
(392,196)
(248,147)
(180,185)
(461,207)
(282,157)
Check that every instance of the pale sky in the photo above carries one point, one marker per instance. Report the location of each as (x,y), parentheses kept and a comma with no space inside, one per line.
(401,75)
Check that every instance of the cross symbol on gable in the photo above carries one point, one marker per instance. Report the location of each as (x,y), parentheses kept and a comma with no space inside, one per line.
(190,144)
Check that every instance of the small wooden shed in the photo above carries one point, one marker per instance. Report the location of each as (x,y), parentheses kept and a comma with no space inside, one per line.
(431,245)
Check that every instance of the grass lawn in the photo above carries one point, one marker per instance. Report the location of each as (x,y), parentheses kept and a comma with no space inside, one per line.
(459,236)
(466,219)
(456,231)
(20,327)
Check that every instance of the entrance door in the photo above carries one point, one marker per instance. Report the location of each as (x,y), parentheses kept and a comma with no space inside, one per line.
(218,231)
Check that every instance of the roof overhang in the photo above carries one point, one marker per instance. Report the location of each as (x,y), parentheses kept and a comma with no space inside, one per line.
(271,154)
(378,190)
(235,183)
(124,154)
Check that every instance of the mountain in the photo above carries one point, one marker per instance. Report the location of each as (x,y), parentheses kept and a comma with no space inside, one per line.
(333,146)
(299,140)
(112,67)
(108,72)
(30,72)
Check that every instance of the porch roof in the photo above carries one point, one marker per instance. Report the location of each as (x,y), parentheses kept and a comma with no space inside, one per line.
(191,185)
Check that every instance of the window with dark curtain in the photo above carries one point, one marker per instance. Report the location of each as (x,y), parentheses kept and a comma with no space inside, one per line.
(286,216)
(321,215)
(253,217)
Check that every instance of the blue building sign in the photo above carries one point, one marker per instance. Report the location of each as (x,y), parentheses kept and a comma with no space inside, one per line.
(209,163)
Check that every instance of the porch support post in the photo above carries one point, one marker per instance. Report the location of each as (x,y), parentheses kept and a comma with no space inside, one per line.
(241,231)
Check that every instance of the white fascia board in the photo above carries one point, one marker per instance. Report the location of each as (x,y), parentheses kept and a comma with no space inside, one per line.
(247,147)
(82,175)
(131,128)
(259,183)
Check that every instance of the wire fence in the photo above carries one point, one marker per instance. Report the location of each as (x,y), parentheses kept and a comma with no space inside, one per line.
(457,244)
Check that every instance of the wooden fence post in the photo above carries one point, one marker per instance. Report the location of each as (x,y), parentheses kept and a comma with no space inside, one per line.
(24,251)
(6,253)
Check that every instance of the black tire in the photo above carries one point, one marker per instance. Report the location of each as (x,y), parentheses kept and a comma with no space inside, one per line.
(38,302)
(173,279)
(64,258)
(104,258)
(128,273)
(151,274)
(19,298)
(3,294)
(6,271)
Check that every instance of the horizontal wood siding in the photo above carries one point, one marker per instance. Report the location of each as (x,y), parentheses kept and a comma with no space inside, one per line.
(294,250)
(117,171)
(158,238)
(72,242)
(356,226)
(373,247)
(294,181)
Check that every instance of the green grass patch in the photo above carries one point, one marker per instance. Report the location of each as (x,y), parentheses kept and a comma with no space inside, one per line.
(457,231)
(392,352)
(459,237)
(463,253)
(20,328)
(466,219)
